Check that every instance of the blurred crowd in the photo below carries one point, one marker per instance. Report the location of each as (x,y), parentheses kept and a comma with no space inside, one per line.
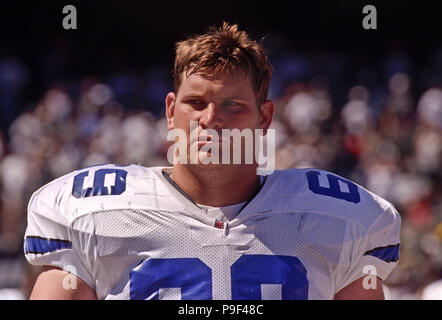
(380,128)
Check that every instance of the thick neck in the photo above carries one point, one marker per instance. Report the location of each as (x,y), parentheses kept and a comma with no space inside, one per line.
(217,187)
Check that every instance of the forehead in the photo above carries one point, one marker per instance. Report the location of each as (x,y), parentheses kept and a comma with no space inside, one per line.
(237,84)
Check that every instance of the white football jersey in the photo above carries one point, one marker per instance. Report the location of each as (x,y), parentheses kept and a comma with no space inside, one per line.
(130,234)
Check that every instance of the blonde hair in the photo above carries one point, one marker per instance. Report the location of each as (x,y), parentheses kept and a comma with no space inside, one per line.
(225,49)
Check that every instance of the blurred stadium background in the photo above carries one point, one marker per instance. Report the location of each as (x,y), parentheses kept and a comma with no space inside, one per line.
(364,104)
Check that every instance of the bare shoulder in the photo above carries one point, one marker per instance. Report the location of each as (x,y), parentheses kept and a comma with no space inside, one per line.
(56,284)
(364,288)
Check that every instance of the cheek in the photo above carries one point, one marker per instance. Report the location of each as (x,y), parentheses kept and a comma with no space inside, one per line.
(182,117)
(246,120)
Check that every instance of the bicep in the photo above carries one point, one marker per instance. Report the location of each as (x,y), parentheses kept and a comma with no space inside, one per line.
(56,284)
(365,288)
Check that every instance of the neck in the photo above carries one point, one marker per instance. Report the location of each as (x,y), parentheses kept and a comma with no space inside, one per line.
(217,187)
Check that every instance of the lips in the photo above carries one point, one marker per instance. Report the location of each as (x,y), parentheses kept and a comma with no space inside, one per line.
(207,139)
(213,142)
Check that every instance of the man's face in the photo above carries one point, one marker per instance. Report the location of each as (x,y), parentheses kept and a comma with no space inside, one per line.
(222,102)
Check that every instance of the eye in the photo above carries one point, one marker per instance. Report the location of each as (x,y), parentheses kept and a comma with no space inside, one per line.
(232,104)
(195,103)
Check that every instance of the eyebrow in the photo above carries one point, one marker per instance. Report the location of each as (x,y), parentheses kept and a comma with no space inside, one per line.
(192,95)
(199,96)
(235,98)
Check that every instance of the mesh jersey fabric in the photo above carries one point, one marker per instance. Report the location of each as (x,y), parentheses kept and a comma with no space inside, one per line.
(148,241)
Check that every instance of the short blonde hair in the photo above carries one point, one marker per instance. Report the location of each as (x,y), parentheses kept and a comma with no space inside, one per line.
(224,49)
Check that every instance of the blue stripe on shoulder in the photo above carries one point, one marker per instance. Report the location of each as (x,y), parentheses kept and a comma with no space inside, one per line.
(388,253)
(35,245)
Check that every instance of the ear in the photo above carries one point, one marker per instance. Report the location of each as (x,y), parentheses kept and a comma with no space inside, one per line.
(267,110)
(170,109)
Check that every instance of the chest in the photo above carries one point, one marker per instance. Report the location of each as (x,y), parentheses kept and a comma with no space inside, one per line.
(168,255)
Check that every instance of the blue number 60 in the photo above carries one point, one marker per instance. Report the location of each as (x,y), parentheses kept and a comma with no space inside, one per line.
(194,277)
(334,190)
(98,188)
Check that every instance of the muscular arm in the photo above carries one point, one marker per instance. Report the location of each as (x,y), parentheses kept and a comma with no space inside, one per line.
(49,286)
(356,291)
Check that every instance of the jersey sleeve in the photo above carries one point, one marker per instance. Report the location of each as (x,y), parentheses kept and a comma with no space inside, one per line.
(374,251)
(49,238)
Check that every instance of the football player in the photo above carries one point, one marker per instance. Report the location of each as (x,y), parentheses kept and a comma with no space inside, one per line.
(211,231)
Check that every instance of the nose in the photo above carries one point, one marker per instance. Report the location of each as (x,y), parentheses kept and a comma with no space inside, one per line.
(211,117)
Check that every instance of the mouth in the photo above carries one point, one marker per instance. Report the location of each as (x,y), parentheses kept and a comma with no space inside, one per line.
(208,140)
(205,138)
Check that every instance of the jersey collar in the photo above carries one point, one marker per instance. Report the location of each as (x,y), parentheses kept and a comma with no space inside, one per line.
(251,207)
